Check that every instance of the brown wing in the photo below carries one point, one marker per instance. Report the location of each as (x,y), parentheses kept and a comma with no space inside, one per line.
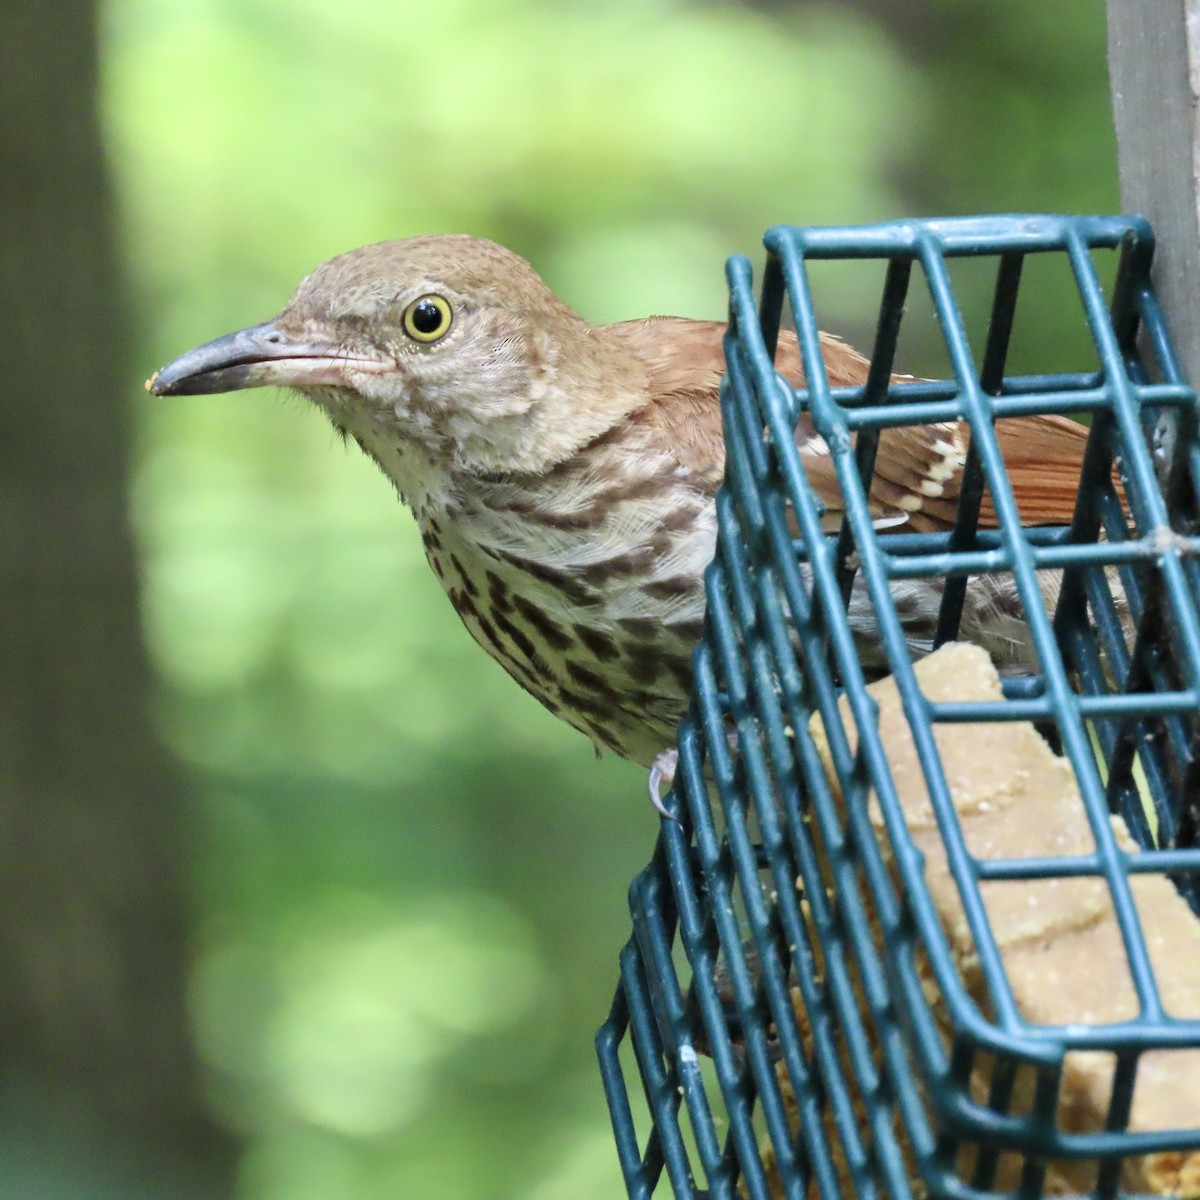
(918,468)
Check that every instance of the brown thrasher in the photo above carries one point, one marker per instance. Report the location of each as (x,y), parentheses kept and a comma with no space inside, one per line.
(563,475)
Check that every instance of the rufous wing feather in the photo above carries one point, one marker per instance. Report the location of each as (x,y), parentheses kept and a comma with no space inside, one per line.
(918,469)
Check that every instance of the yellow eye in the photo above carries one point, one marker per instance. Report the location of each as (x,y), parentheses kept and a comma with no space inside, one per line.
(427,319)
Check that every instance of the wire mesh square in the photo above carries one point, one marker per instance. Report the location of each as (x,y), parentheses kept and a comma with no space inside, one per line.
(791,1018)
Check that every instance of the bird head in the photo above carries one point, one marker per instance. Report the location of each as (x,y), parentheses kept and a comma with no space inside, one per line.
(451,344)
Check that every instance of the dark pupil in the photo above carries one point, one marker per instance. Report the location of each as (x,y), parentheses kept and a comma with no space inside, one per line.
(427,317)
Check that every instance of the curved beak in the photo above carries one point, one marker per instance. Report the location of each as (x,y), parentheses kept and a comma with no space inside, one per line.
(256,357)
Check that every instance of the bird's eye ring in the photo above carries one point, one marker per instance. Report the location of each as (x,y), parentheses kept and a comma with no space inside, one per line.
(428,318)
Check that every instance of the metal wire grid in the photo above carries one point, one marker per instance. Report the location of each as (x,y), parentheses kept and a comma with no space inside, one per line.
(774,886)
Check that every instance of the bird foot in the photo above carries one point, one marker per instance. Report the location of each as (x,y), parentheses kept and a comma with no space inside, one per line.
(662,774)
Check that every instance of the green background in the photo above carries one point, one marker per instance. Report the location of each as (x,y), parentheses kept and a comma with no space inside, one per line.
(408,880)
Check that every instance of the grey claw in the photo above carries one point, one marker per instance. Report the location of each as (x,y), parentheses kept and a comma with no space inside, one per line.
(662,773)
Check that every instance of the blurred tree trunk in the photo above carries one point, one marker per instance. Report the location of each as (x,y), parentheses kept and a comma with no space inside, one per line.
(97,1075)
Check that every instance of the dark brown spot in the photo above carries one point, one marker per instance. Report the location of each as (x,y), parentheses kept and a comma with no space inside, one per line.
(588,678)
(598,642)
(570,585)
(586,518)
(682,516)
(682,674)
(645,666)
(641,628)
(671,588)
(438,569)
(644,702)
(488,630)
(465,605)
(521,640)
(498,592)
(602,735)
(431,539)
(610,437)
(522,507)
(599,506)
(432,521)
(467,581)
(585,706)
(636,562)
(690,631)
(543,624)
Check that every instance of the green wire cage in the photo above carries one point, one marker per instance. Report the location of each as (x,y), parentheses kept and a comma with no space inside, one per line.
(790,1018)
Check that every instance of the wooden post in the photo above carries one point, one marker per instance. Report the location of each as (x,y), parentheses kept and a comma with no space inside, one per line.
(1154,74)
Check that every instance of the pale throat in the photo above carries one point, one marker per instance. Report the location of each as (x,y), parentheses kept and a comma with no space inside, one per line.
(454,509)
(421,476)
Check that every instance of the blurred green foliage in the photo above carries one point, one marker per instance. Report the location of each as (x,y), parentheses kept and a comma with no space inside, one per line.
(409,878)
